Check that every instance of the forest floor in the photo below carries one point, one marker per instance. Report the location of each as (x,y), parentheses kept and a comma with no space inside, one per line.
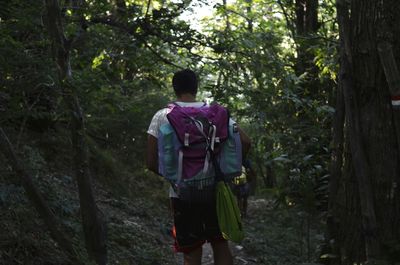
(138,229)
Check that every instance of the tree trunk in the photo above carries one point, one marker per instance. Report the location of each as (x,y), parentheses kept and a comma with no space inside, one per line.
(93,224)
(306,26)
(331,244)
(367,231)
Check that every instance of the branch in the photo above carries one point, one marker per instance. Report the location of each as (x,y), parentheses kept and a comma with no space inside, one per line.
(113,23)
(165,60)
(237,13)
(25,119)
(288,21)
(147,8)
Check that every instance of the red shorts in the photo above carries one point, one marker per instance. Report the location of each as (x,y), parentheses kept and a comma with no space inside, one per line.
(194,224)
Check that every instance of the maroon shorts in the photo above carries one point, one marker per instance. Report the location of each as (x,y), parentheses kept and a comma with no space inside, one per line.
(194,224)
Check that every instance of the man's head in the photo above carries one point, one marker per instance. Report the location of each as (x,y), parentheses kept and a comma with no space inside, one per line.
(185,82)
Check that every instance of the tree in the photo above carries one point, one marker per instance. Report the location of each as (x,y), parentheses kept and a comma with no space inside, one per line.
(93,223)
(366,206)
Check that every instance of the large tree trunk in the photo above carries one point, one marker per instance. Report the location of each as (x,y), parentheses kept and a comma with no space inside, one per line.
(367,228)
(93,224)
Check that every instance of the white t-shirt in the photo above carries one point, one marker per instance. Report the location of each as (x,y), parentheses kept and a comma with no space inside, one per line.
(160,118)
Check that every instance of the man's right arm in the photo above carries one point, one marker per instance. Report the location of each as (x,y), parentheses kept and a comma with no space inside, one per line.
(152,154)
(246,142)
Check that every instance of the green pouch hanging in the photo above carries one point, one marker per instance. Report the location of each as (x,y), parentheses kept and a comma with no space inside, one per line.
(228,213)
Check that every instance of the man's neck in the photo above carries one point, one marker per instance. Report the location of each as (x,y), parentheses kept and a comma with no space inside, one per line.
(186,98)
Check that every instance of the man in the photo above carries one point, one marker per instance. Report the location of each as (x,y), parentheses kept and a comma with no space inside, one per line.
(194,223)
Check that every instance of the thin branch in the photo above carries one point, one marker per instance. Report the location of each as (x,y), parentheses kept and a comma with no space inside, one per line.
(22,127)
(289,23)
(237,13)
(147,8)
(165,60)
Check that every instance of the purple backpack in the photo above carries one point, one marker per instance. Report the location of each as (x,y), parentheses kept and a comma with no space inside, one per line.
(186,144)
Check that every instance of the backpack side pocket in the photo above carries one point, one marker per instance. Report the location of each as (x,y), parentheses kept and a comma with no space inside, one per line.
(230,157)
(168,148)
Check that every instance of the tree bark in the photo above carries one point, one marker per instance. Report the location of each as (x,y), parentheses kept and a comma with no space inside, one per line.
(93,223)
(369,79)
(359,157)
(392,74)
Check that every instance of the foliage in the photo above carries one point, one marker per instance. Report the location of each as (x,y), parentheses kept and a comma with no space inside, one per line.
(133,232)
(253,71)
(279,235)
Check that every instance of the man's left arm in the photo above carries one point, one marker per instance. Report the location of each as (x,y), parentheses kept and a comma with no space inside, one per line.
(251,175)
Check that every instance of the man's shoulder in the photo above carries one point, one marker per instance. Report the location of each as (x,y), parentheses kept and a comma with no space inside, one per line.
(161,113)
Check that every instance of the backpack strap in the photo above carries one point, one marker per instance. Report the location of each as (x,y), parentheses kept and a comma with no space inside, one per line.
(180,166)
(213,137)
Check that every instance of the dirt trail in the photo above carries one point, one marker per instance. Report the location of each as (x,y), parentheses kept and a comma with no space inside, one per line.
(239,256)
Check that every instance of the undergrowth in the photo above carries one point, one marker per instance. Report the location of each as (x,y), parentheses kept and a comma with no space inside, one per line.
(135,206)
(279,234)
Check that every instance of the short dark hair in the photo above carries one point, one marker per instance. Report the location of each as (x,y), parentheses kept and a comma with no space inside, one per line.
(185,81)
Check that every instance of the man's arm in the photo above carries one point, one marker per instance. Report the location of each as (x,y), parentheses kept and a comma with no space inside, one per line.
(251,175)
(246,142)
(152,154)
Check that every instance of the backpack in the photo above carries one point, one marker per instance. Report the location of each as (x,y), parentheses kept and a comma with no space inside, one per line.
(187,144)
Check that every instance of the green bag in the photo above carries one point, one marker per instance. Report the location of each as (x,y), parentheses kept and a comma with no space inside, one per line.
(228,213)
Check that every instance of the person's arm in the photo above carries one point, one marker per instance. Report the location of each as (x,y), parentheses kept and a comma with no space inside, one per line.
(152,154)
(246,142)
(251,175)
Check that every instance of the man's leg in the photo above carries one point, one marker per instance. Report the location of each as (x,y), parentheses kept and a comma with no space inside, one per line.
(222,253)
(193,257)
(244,213)
(239,201)
(244,196)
